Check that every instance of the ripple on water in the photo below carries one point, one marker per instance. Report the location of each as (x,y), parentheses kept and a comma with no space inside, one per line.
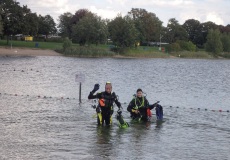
(57,127)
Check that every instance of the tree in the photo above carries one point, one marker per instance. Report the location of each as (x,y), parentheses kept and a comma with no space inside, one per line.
(46,25)
(174,31)
(147,24)
(79,14)
(225,39)
(65,24)
(30,22)
(1,25)
(12,16)
(194,31)
(213,43)
(123,32)
(205,27)
(89,29)
(224,29)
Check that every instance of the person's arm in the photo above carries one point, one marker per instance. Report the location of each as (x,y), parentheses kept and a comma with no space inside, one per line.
(116,100)
(147,105)
(130,106)
(91,96)
(154,105)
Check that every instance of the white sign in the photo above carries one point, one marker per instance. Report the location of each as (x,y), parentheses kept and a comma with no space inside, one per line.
(80,77)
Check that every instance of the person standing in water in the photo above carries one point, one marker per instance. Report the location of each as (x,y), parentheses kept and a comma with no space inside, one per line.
(139,108)
(106,101)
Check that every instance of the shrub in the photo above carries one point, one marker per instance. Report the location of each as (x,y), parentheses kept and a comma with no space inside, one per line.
(86,51)
(226,55)
(67,44)
(214,44)
(187,46)
(174,47)
(225,39)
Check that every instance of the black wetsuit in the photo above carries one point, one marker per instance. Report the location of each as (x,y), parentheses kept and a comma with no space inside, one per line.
(141,104)
(107,110)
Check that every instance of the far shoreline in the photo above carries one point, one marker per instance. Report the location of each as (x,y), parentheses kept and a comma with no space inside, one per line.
(19,51)
(14,51)
(23,51)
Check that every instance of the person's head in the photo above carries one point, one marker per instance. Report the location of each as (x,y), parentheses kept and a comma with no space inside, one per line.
(139,92)
(108,87)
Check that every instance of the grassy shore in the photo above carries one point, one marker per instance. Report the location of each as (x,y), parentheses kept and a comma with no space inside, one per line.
(25,44)
(104,50)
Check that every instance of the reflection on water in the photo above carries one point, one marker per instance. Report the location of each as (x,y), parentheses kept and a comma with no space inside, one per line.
(40,117)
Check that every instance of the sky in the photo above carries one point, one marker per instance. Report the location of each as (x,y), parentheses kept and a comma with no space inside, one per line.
(216,11)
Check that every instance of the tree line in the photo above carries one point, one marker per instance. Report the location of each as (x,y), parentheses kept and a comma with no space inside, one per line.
(15,19)
(138,26)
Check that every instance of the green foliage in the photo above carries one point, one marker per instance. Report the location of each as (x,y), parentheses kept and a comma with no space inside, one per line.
(90,30)
(146,51)
(174,47)
(1,25)
(20,20)
(120,50)
(174,31)
(226,55)
(147,24)
(12,16)
(194,30)
(188,46)
(67,44)
(213,43)
(46,25)
(87,51)
(122,32)
(225,39)
(64,25)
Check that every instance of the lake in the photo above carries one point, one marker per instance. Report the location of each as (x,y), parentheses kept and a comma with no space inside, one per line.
(41,118)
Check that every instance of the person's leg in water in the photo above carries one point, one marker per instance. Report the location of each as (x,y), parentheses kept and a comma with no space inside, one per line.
(100,120)
(107,118)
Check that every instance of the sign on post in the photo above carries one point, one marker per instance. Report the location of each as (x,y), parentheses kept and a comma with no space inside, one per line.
(80,78)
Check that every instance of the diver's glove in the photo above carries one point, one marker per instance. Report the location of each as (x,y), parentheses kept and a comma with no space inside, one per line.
(156,104)
(119,111)
(96,87)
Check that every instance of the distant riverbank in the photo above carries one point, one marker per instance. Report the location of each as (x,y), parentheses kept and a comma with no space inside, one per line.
(23,51)
(27,52)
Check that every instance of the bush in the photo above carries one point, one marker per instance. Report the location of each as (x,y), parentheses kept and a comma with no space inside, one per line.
(120,50)
(214,44)
(174,47)
(225,39)
(187,46)
(226,55)
(67,44)
(86,51)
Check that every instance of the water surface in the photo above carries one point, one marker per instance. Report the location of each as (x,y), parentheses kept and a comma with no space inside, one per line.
(40,117)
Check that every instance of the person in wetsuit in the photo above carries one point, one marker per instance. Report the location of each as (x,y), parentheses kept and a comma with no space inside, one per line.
(106,102)
(139,107)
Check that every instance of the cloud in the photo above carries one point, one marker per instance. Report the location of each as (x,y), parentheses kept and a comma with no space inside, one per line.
(214,17)
(51,3)
(203,10)
(105,13)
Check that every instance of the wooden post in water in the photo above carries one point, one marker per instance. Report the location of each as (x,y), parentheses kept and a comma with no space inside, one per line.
(80,78)
(80,93)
